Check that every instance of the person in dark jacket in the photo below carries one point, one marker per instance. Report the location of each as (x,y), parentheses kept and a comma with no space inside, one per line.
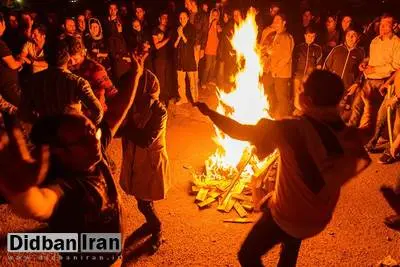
(344,60)
(186,63)
(307,57)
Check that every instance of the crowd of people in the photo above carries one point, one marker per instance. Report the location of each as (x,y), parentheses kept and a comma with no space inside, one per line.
(76,82)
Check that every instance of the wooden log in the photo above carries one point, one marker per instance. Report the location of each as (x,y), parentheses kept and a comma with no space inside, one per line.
(230,205)
(239,220)
(240,210)
(202,194)
(206,202)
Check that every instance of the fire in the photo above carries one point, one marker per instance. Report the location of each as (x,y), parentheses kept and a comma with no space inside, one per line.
(246,103)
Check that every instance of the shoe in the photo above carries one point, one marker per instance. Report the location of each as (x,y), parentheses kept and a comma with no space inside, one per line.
(393,222)
(386,158)
(156,241)
(372,149)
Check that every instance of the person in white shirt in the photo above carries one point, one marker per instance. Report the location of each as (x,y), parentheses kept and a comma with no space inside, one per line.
(318,154)
(33,51)
(384,60)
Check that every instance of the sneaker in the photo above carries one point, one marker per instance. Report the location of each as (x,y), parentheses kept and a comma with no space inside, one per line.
(386,158)
(372,149)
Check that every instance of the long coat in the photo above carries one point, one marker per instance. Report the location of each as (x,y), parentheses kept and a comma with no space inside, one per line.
(145,166)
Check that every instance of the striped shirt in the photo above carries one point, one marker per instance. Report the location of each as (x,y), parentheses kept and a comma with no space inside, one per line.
(56,91)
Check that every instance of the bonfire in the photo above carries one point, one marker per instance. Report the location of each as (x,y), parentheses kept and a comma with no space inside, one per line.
(231,168)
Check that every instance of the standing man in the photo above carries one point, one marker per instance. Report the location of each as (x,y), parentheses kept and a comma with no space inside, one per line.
(276,52)
(318,153)
(383,61)
(186,63)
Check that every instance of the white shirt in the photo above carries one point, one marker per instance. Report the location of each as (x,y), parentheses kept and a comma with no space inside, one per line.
(384,56)
(39,64)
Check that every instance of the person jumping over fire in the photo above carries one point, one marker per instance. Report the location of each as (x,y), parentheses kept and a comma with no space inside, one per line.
(318,154)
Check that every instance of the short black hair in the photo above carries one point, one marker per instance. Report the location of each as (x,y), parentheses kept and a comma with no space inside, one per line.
(1,17)
(73,45)
(41,29)
(56,53)
(324,88)
(310,29)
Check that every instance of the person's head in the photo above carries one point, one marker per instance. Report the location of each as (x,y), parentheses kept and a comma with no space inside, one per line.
(13,21)
(226,17)
(386,25)
(81,21)
(39,34)
(94,27)
(307,17)
(204,7)
(214,15)
(237,16)
(331,22)
(279,22)
(183,18)
(352,38)
(163,19)
(322,89)
(346,22)
(57,55)
(69,26)
(26,18)
(76,51)
(274,10)
(310,35)
(88,14)
(140,13)
(73,140)
(136,25)
(2,24)
(123,10)
(113,10)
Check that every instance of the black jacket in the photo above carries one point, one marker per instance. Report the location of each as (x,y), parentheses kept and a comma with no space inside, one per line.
(306,58)
(185,51)
(345,62)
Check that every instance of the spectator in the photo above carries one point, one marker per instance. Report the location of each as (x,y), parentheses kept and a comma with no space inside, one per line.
(307,58)
(274,9)
(210,47)
(384,59)
(69,27)
(9,88)
(344,60)
(56,91)
(140,13)
(88,14)
(162,51)
(330,38)
(81,29)
(96,45)
(318,154)
(306,22)
(33,51)
(186,62)
(225,56)
(112,24)
(11,35)
(26,26)
(277,47)
(345,24)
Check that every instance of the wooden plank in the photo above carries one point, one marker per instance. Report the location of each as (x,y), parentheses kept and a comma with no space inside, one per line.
(214,194)
(230,205)
(206,202)
(222,205)
(240,210)
(202,194)
(239,220)
(248,206)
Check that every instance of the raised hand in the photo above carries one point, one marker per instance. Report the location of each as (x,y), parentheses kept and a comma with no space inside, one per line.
(20,169)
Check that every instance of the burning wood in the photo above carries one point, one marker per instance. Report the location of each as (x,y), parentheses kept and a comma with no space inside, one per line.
(229,171)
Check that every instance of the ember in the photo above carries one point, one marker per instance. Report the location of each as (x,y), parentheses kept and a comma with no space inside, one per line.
(230,169)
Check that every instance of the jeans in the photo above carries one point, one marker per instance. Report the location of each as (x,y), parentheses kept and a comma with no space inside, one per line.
(381,121)
(209,69)
(193,85)
(147,209)
(279,95)
(263,237)
(161,71)
(365,109)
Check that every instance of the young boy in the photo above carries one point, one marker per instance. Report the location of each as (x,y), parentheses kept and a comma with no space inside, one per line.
(307,57)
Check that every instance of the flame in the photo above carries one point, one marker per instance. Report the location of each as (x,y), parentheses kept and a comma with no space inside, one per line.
(246,103)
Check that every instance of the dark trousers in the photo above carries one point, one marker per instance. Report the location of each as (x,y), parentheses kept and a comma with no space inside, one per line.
(147,209)
(161,71)
(279,95)
(209,69)
(263,237)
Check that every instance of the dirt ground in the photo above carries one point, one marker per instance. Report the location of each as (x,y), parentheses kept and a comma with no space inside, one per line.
(355,237)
